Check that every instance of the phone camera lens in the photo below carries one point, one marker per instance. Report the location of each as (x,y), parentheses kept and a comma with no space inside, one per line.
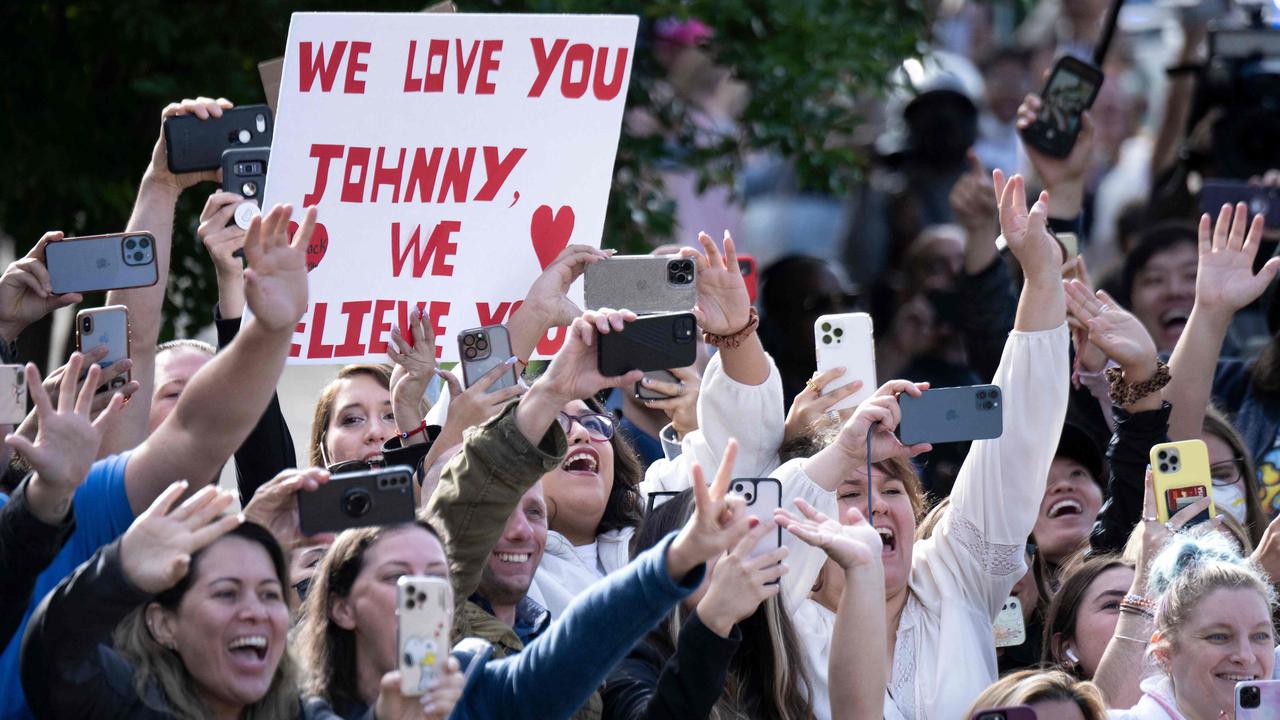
(357,503)
(482,344)
(139,257)
(1162,454)
(1250,697)
(838,332)
(988,405)
(1164,467)
(982,394)
(87,324)
(249,189)
(749,497)
(468,340)
(131,243)
(470,353)
(144,243)
(737,488)
(826,327)
(409,603)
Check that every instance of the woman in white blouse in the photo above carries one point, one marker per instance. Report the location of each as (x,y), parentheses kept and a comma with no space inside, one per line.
(943,593)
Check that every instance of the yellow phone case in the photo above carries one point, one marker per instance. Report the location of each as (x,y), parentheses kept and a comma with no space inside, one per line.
(1180,473)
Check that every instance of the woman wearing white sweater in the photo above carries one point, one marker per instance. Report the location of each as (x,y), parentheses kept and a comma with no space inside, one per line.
(942,594)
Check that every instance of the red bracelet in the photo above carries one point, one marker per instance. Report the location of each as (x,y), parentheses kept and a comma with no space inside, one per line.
(420,429)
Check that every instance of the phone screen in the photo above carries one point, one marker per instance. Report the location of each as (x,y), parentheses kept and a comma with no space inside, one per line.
(1067,96)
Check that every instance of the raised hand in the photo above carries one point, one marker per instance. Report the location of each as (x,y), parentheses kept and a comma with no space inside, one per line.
(417,361)
(26,292)
(719,519)
(276,280)
(880,415)
(436,704)
(854,543)
(971,202)
(156,550)
(681,403)
(548,297)
(67,441)
(219,238)
(203,108)
(810,404)
(723,307)
(574,372)
(1113,330)
(1026,231)
(740,582)
(476,404)
(275,505)
(53,383)
(1156,534)
(1225,282)
(1056,172)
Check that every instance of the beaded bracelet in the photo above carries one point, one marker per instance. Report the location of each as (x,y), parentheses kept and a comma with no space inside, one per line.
(1138,601)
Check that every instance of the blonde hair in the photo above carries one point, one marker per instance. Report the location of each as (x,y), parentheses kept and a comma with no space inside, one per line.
(1188,569)
(1032,686)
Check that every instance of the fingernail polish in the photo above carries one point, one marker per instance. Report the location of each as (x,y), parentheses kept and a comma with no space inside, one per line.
(752,522)
(512,360)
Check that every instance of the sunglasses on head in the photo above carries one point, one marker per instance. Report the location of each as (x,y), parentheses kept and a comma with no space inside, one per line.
(599,427)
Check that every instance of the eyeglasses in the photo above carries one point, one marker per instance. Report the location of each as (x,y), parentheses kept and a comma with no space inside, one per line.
(599,427)
(345,466)
(1227,472)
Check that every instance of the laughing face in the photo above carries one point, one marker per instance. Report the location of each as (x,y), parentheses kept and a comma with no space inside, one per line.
(893,517)
(1163,292)
(360,422)
(1070,505)
(230,626)
(578,491)
(515,557)
(1228,638)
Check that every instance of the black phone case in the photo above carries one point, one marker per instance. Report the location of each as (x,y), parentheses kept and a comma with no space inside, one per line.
(653,342)
(957,414)
(383,496)
(239,178)
(193,144)
(1048,137)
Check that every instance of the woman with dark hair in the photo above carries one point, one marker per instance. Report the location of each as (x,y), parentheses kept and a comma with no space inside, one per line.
(1158,281)
(199,600)
(725,651)
(1082,615)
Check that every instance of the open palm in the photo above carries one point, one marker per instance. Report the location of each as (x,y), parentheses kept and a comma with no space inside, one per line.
(852,544)
(276,280)
(1112,329)
(1026,231)
(1224,279)
(723,306)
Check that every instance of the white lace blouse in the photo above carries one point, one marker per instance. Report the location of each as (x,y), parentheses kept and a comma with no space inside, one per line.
(944,652)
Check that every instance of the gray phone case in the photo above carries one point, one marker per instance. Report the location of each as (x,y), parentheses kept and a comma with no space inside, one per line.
(101,262)
(956,414)
(641,283)
(497,351)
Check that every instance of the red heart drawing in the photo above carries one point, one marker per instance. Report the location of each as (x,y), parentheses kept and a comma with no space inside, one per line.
(550,233)
(318,245)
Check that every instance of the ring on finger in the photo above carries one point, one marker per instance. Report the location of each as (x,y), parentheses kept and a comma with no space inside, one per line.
(812,385)
(1169,526)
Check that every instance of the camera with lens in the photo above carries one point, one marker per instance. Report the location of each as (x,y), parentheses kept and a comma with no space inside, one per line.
(1250,697)
(475,345)
(684,328)
(680,272)
(137,250)
(357,502)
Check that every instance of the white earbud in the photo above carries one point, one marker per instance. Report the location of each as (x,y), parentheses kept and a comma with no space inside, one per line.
(1071,655)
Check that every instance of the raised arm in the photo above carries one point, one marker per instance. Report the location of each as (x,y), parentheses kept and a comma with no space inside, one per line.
(1225,283)
(547,303)
(225,399)
(153,212)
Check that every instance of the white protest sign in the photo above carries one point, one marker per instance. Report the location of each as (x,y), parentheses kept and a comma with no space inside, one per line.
(451,158)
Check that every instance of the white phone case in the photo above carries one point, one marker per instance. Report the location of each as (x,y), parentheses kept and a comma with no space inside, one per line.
(13,394)
(763,496)
(424,614)
(846,340)
(1010,627)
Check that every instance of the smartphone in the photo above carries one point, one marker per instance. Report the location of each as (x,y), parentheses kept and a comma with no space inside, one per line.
(1261,200)
(1180,473)
(846,340)
(1258,700)
(747,266)
(101,262)
(642,284)
(763,496)
(244,172)
(381,496)
(482,349)
(653,342)
(644,393)
(956,414)
(107,326)
(13,394)
(1010,627)
(1014,712)
(1070,91)
(424,625)
(193,144)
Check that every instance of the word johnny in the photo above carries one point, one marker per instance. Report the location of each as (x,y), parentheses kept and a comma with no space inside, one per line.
(451,158)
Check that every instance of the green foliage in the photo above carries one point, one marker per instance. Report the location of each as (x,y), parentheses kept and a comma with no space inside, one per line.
(85,83)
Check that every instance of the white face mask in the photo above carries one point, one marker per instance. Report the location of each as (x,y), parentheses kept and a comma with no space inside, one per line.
(1230,499)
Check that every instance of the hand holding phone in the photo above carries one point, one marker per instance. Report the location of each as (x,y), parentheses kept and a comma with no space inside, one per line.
(26,293)
(381,496)
(424,625)
(846,341)
(483,349)
(194,143)
(244,172)
(653,342)
(641,283)
(106,327)
(1181,476)
(101,262)
(1071,90)
(957,414)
